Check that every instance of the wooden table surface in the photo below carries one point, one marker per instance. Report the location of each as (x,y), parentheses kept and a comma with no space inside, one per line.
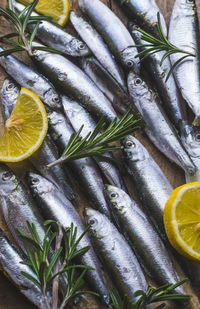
(10,298)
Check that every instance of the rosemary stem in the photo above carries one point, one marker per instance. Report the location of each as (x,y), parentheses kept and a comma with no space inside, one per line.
(55,285)
(59,161)
(27,46)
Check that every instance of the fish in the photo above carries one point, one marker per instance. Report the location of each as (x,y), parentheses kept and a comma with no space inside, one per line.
(170,95)
(71,80)
(54,206)
(10,261)
(29,78)
(144,13)
(85,170)
(116,255)
(47,152)
(184,34)
(157,126)
(113,32)
(115,93)
(9,93)
(152,186)
(190,137)
(143,238)
(58,175)
(18,207)
(78,116)
(56,37)
(97,46)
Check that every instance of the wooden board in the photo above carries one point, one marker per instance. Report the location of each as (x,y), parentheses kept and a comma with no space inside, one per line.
(10,298)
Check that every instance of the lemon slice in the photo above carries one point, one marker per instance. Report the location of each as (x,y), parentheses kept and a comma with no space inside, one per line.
(25,130)
(182,220)
(57,9)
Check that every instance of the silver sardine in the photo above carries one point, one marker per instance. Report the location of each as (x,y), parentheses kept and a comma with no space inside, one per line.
(86,171)
(73,81)
(158,127)
(9,93)
(18,206)
(184,33)
(10,261)
(116,94)
(116,255)
(143,238)
(172,102)
(113,31)
(78,116)
(55,206)
(29,78)
(56,37)
(96,44)
(144,13)
(151,185)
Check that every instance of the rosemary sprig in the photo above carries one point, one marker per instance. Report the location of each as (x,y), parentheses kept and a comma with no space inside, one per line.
(95,143)
(158,44)
(49,266)
(23,40)
(153,295)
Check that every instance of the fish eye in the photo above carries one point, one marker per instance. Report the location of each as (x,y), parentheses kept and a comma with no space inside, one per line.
(35,181)
(130,144)
(81,46)
(114,195)
(56,99)
(10,86)
(154,25)
(138,81)
(129,63)
(7,175)
(198,137)
(91,222)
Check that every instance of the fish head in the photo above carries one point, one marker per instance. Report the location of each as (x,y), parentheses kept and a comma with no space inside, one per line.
(136,85)
(187,5)
(134,150)
(79,47)
(129,60)
(53,99)
(116,197)
(10,91)
(38,184)
(97,222)
(190,136)
(8,181)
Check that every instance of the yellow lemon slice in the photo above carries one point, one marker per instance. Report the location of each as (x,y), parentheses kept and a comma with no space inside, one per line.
(25,130)
(57,9)
(182,220)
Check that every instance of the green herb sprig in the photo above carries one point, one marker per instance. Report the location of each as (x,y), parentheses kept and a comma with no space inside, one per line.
(95,143)
(23,40)
(153,295)
(158,44)
(51,266)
